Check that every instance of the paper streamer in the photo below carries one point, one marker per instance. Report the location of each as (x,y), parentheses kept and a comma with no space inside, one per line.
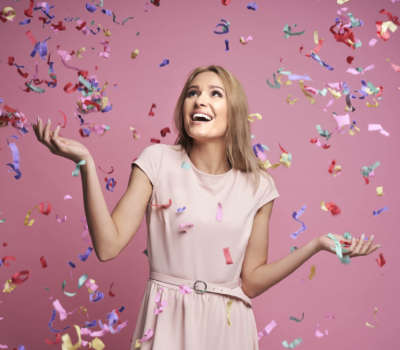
(296,216)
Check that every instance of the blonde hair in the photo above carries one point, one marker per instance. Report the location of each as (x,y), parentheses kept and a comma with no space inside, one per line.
(239,150)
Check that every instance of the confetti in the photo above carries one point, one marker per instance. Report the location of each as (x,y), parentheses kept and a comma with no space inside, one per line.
(293,344)
(377,127)
(164,62)
(227,254)
(252,6)
(296,215)
(224,24)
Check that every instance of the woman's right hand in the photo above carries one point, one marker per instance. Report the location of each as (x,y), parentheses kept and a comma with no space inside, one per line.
(58,145)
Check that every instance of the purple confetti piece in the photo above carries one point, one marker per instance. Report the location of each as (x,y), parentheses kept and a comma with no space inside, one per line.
(295,216)
(107,108)
(107,12)
(180,210)
(377,212)
(71,264)
(15,163)
(322,63)
(53,316)
(225,27)
(25,21)
(84,257)
(90,324)
(90,7)
(96,296)
(164,62)
(110,184)
(226,45)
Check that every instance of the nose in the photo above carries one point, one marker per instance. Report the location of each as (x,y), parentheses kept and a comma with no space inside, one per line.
(201,99)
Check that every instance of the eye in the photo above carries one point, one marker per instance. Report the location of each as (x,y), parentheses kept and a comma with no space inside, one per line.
(216,92)
(191,93)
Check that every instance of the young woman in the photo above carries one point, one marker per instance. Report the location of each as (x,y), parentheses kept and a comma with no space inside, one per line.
(208,203)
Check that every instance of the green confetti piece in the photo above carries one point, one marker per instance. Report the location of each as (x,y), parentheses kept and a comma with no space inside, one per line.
(276,84)
(35,88)
(82,280)
(126,20)
(67,293)
(323,133)
(78,165)
(366,170)
(297,319)
(338,249)
(293,344)
(288,31)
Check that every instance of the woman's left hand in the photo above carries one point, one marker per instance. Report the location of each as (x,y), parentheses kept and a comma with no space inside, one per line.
(352,248)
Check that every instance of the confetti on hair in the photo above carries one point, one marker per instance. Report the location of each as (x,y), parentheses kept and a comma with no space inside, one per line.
(296,215)
(224,24)
(227,255)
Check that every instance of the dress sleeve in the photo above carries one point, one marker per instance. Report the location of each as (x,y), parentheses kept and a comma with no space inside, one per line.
(150,161)
(267,192)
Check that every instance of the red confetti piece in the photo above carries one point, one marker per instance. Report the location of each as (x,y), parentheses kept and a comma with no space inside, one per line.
(31,37)
(164,131)
(8,258)
(43,262)
(29,11)
(333,208)
(381,260)
(349,59)
(11,60)
(45,211)
(228,258)
(226,2)
(67,88)
(52,342)
(110,293)
(20,277)
(163,206)
(151,113)
(153,140)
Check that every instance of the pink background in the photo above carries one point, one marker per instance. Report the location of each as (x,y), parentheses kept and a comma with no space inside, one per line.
(339,298)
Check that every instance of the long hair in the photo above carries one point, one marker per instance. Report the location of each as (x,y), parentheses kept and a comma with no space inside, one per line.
(239,150)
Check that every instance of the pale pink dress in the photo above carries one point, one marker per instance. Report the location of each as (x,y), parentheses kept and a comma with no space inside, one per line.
(221,209)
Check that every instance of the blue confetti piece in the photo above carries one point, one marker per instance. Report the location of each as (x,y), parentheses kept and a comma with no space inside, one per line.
(185,165)
(225,27)
(90,324)
(164,62)
(71,264)
(122,308)
(53,316)
(252,6)
(180,210)
(96,296)
(107,12)
(90,7)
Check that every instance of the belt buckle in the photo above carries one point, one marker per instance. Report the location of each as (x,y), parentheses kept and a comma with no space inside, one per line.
(197,290)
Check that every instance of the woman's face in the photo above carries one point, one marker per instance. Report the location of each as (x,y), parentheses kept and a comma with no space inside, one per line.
(206,96)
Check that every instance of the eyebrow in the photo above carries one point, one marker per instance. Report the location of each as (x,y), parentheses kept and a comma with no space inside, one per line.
(210,86)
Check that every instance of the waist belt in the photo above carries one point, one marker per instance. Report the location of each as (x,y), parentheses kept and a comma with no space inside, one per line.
(233,288)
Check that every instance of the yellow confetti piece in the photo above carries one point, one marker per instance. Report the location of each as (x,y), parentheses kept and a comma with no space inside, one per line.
(341,2)
(306,93)
(286,159)
(135,134)
(80,51)
(8,13)
(250,117)
(138,344)
(134,53)
(388,25)
(372,105)
(369,325)
(104,102)
(97,344)
(312,272)
(9,286)
(107,32)
(316,37)
(289,101)
(335,94)
(228,311)
(379,190)
(26,221)
(323,207)
(351,131)
(67,345)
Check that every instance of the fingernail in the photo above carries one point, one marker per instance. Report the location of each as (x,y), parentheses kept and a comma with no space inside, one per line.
(48,121)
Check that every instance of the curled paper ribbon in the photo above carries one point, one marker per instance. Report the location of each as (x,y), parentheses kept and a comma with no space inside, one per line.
(287,30)
(224,24)
(296,215)
(377,212)
(251,117)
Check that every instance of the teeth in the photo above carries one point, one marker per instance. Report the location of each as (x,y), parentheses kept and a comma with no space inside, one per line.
(197,116)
